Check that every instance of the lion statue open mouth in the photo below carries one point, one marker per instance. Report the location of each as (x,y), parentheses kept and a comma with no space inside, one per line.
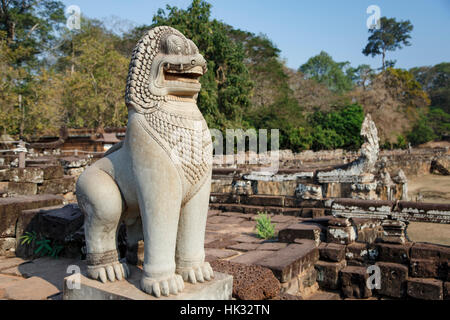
(157,181)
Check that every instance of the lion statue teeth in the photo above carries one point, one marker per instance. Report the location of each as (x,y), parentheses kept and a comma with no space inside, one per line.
(157,181)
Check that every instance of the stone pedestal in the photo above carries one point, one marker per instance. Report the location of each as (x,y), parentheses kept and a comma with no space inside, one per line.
(220,288)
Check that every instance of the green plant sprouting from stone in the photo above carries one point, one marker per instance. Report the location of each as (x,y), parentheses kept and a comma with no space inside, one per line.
(264,227)
(28,238)
(44,247)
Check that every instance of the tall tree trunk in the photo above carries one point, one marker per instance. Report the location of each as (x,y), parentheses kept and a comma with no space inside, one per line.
(384,57)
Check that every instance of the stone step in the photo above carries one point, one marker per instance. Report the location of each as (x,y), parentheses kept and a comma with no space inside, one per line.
(328,274)
(10,209)
(354,282)
(250,209)
(332,252)
(425,289)
(290,261)
(300,231)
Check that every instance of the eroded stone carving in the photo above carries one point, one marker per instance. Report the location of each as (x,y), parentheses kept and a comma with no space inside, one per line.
(158,180)
(364,165)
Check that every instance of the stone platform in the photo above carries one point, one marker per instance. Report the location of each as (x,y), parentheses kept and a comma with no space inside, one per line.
(220,288)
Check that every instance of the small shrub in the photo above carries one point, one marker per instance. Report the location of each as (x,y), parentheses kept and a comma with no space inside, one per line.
(264,227)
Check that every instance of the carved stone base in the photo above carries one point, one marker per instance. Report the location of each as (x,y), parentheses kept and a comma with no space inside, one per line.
(220,288)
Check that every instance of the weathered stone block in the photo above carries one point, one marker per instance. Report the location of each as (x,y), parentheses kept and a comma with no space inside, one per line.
(242,246)
(361,254)
(317,213)
(300,231)
(446,290)
(262,200)
(23,188)
(272,246)
(219,288)
(277,188)
(423,212)
(223,198)
(396,253)
(425,289)
(53,172)
(367,230)
(393,279)
(332,252)
(249,282)
(424,268)
(290,261)
(30,175)
(59,223)
(28,221)
(3,187)
(74,162)
(430,251)
(307,280)
(251,257)
(328,273)
(355,208)
(7,247)
(10,209)
(214,254)
(339,222)
(354,282)
(342,235)
(57,186)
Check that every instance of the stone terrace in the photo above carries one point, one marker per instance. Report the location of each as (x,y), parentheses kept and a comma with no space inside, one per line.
(311,258)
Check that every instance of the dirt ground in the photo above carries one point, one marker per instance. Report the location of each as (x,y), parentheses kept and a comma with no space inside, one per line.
(429,188)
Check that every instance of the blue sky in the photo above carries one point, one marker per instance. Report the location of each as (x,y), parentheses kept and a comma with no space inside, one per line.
(301,29)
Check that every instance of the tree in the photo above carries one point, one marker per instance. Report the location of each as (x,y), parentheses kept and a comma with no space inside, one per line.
(337,129)
(392,35)
(93,78)
(436,82)
(361,75)
(421,133)
(323,69)
(226,87)
(10,115)
(30,24)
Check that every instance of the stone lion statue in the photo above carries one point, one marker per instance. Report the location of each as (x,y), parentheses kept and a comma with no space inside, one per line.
(158,180)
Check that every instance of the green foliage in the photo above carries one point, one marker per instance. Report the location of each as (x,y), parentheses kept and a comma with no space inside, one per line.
(264,227)
(337,129)
(421,133)
(28,238)
(324,69)
(436,82)
(433,125)
(227,86)
(439,121)
(361,75)
(44,247)
(402,84)
(391,36)
(30,27)
(402,143)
